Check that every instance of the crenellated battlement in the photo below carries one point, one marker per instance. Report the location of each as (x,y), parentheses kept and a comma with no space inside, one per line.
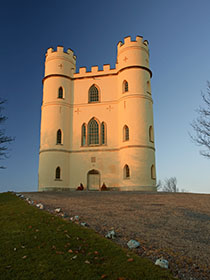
(95,71)
(60,52)
(129,53)
(129,43)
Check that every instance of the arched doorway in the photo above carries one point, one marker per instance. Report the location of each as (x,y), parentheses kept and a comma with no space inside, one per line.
(93,180)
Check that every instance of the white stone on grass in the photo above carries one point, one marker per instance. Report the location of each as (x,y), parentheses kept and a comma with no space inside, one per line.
(84,224)
(40,206)
(132,244)
(111,234)
(58,210)
(162,263)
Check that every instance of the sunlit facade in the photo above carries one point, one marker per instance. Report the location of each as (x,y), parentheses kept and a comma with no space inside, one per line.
(97,127)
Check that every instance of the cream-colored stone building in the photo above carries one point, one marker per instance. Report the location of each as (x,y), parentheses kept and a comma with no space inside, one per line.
(97,126)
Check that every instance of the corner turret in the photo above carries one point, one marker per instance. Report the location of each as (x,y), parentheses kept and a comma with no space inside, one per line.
(59,62)
(133,53)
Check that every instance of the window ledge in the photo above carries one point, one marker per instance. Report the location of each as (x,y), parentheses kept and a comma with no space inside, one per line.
(90,102)
(58,180)
(94,145)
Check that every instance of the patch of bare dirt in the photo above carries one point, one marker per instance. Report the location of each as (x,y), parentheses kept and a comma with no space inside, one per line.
(174,226)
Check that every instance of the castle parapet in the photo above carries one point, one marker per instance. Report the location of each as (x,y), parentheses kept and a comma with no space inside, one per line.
(69,54)
(132,53)
(59,62)
(83,73)
(138,42)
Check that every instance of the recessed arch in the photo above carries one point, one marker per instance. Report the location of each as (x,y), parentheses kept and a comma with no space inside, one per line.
(93,179)
(148,87)
(103,133)
(60,93)
(59,137)
(93,132)
(93,94)
(58,173)
(125,133)
(126,172)
(125,86)
(151,134)
(84,135)
(153,172)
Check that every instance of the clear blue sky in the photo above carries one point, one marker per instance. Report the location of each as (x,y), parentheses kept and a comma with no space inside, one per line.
(178,33)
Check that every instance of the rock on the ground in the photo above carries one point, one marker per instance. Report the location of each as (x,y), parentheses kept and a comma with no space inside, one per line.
(20,195)
(84,224)
(111,234)
(162,263)
(29,201)
(132,244)
(40,206)
(74,219)
(58,210)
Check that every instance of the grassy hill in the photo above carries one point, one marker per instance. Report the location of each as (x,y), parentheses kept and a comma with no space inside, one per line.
(37,245)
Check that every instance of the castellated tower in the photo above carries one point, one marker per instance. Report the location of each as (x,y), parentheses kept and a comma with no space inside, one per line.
(56,122)
(97,127)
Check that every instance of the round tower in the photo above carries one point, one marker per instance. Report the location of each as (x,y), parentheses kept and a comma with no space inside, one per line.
(136,136)
(56,119)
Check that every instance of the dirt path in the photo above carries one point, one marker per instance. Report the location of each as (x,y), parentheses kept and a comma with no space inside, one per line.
(175,226)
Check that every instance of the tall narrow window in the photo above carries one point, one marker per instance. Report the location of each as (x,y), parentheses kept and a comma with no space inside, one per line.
(93,132)
(58,173)
(93,94)
(60,92)
(103,133)
(148,87)
(84,134)
(151,135)
(153,172)
(126,172)
(125,133)
(125,86)
(59,136)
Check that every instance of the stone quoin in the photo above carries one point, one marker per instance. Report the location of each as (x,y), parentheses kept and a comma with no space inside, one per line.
(97,126)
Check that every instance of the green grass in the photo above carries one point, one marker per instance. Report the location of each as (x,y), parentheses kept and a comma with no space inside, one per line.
(35,245)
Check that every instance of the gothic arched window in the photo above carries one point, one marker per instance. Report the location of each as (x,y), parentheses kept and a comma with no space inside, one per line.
(59,137)
(126,172)
(125,86)
(84,135)
(103,133)
(151,135)
(60,92)
(93,94)
(153,171)
(148,87)
(58,173)
(93,132)
(125,133)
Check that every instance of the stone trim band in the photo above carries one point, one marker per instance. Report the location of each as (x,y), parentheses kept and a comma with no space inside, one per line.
(100,75)
(98,150)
